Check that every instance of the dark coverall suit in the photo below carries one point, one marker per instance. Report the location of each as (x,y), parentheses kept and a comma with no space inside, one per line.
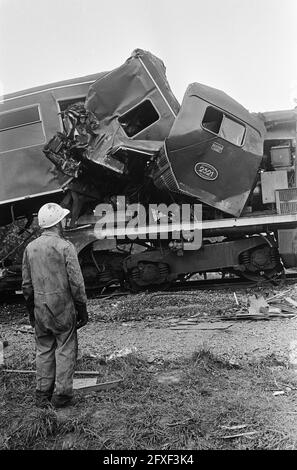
(53,278)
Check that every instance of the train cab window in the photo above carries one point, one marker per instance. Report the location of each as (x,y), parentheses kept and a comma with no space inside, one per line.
(232,131)
(21,128)
(224,126)
(212,120)
(139,118)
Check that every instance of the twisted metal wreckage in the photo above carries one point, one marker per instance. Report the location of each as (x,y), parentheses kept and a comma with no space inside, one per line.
(131,137)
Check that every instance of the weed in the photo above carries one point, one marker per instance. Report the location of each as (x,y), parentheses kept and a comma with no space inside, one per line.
(35,426)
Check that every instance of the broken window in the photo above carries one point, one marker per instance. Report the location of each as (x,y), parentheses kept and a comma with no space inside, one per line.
(64,104)
(139,118)
(224,126)
(21,128)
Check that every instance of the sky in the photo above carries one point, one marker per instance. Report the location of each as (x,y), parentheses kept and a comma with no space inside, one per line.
(247,48)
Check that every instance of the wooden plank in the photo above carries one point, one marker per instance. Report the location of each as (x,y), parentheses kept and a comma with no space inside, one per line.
(233,436)
(265,317)
(83,383)
(30,371)
(97,387)
(280,294)
(284,308)
(246,317)
(232,428)
(291,301)
(191,328)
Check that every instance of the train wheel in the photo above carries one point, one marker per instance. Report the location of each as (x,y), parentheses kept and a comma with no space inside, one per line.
(149,276)
(261,263)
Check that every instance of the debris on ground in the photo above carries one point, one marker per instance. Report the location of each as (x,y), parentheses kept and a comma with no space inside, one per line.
(169,378)
(236,299)
(186,325)
(232,428)
(291,301)
(81,384)
(26,329)
(122,353)
(253,307)
(259,308)
(243,434)
(92,385)
(257,305)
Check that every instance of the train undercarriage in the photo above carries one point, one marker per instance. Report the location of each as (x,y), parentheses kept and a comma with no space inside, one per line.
(136,266)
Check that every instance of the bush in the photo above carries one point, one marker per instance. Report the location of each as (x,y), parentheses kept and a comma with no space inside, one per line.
(11,239)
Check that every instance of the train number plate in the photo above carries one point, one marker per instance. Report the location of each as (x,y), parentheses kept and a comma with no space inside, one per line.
(206,171)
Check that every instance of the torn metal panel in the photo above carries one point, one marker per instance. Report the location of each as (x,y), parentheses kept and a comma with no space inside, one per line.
(145,148)
(141,76)
(132,102)
(213,151)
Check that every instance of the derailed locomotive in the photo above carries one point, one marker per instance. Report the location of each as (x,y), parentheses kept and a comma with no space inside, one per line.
(129,144)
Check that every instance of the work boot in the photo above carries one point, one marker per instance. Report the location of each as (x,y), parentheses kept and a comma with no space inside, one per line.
(61,401)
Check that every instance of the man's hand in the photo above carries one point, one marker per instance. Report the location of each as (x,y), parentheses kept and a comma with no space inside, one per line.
(82,315)
(32,319)
(30,308)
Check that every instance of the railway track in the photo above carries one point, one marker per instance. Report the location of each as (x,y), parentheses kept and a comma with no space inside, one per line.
(205,284)
(231,283)
(190,285)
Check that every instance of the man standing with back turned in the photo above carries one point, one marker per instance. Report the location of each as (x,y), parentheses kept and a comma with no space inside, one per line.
(55,296)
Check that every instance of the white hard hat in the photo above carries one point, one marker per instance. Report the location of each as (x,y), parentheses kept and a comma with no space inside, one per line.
(51,214)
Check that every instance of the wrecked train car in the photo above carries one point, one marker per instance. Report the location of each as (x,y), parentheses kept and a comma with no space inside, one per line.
(28,119)
(132,138)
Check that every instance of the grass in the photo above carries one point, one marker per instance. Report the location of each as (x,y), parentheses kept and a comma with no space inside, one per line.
(183,404)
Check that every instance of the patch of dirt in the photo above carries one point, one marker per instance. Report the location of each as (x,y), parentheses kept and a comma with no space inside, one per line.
(128,323)
(189,388)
